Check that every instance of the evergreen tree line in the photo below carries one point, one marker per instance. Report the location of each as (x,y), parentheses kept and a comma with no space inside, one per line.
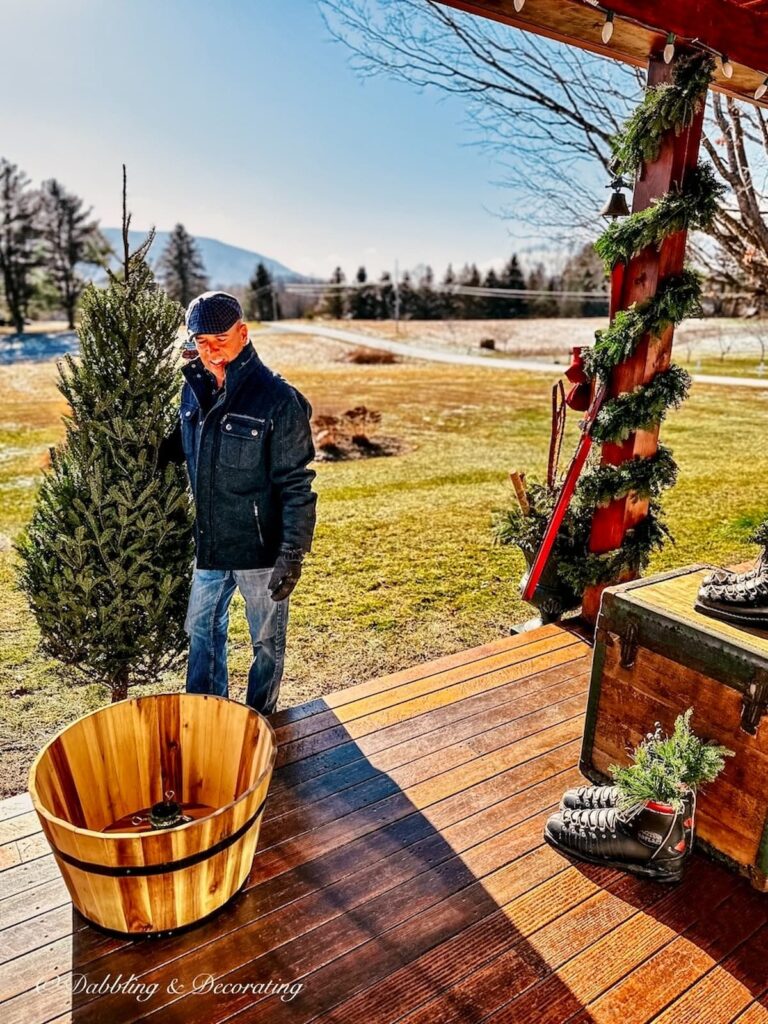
(419,298)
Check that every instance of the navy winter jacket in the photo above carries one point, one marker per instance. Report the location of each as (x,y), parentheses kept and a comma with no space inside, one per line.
(247,448)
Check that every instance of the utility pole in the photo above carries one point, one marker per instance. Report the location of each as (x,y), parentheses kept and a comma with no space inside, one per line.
(397,299)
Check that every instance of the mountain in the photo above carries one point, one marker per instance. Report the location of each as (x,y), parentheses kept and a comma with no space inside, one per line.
(224,264)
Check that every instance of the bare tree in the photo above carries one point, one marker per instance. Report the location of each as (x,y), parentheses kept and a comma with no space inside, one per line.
(547,113)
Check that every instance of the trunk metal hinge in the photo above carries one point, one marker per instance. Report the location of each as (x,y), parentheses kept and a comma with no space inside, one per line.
(755,702)
(628,646)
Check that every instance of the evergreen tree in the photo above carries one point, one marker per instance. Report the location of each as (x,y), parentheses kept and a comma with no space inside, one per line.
(512,277)
(427,300)
(584,272)
(496,306)
(261,302)
(407,296)
(106,558)
(362,300)
(539,281)
(471,307)
(70,238)
(448,301)
(180,268)
(385,297)
(334,301)
(20,249)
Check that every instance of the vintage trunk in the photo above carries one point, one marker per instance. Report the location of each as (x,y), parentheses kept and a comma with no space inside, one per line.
(654,658)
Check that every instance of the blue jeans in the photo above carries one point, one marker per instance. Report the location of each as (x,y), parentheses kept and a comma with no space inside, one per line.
(207,622)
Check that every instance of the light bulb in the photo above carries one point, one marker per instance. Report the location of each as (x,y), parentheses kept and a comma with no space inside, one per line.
(727,66)
(519,5)
(608,27)
(669,49)
(762,89)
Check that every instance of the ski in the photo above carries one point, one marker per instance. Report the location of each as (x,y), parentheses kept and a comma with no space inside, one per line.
(572,475)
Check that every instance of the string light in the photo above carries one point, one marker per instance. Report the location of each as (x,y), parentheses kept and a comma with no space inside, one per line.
(519,5)
(762,89)
(726,66)
(669,49)
(608,27)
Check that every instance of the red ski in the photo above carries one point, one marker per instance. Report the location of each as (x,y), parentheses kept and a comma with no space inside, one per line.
(565,495)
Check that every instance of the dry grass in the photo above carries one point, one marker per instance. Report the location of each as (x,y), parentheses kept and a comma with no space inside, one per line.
(403,568)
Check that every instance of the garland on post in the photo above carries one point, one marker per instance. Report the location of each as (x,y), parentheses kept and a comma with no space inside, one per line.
(647,478)
(668,107)
(678,297)
(642,408)
(689,208)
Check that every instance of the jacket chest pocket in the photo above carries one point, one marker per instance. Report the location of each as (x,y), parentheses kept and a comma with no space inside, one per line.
(242,441)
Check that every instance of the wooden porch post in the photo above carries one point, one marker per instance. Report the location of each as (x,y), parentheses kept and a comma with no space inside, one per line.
(631,283)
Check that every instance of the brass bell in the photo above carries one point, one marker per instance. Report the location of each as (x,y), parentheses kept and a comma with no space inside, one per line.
(617,204)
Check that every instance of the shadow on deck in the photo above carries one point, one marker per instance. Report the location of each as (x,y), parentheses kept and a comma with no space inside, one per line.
(401,876)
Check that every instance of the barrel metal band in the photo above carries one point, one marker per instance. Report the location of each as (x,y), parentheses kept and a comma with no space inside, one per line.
(171,865)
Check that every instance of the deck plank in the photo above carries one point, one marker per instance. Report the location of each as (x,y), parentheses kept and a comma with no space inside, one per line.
(401,876)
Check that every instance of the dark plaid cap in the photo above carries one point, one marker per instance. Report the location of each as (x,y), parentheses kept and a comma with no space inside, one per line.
(213,313)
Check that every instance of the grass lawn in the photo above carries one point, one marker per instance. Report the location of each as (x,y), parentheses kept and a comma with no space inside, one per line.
(403,567)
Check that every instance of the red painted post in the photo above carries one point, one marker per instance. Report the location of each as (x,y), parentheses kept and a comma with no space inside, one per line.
(633,283)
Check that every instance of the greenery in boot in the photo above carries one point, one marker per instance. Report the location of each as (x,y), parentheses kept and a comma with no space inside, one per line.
(106,558)
(664,767)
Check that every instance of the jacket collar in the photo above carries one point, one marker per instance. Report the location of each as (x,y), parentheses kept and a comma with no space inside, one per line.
(201,381)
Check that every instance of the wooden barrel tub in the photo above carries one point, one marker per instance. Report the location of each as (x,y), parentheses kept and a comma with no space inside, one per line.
(95,784)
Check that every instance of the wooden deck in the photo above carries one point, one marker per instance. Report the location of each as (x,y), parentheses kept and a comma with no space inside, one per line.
(401,876)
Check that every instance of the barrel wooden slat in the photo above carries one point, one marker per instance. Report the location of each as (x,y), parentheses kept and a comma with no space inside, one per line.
(123,759)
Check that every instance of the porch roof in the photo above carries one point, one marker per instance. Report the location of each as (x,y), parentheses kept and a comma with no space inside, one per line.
(737,28)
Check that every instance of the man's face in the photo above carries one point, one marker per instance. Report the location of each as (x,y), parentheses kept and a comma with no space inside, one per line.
(217,350)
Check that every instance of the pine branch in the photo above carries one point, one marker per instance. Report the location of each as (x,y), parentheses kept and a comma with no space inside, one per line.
(689,208)
(641,476)
(670,106)
(642,408)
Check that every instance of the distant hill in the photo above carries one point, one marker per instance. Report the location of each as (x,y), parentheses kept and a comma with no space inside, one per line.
(224,264)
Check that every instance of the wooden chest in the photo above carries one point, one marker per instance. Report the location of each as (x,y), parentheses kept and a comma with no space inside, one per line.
(654,657)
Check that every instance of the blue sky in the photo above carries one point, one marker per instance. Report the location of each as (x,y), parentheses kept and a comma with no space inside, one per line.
(243,120)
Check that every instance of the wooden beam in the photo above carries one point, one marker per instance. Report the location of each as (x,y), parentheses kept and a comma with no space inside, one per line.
(632,283)
(640,30)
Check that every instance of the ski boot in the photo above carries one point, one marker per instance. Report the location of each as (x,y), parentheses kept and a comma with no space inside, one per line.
(587,797)
(650,839)
(737,597)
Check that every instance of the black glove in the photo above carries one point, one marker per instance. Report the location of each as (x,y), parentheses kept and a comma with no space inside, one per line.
(286,573)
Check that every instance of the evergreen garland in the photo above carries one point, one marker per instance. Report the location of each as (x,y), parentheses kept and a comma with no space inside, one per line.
(689,208)
(678,297)
(669,106)
(642,408)
(593,568)
(665,767)
(644,477)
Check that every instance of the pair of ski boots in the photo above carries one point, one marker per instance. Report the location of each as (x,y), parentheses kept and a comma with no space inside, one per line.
(737,597)
(650,839)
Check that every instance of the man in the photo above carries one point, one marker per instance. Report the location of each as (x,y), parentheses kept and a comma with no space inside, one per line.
(245,435)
